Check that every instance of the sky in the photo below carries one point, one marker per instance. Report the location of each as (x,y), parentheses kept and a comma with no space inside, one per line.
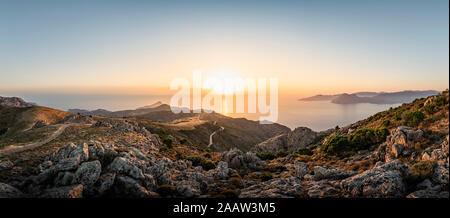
(138,47)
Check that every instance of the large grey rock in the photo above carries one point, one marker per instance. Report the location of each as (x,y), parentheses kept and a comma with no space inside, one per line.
(88,173)
(160,173)
(323,189)
(106,181)
(441,175)
(397,150)
(66,164)
(301,169)
(385,180)
(128,187)
(81,152)
(74,191)
(405,136)
(222,170)
(8,191)
(323,172)
(274,188)
(123,166)
(300,137)
(188,189)
(64,179)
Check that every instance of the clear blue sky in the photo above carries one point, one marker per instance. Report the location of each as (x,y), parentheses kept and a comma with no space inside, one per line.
(320,46)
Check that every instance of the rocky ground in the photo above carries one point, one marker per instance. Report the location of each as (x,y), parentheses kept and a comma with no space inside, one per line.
(135,163)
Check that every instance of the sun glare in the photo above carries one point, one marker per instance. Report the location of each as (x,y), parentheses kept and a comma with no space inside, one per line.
(223,83)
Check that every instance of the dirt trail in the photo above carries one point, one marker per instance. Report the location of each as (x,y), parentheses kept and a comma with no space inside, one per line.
(14,149)
(212,134)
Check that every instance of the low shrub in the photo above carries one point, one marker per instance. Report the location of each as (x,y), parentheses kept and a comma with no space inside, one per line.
(386,123)
(168,142)
(429,108)
(358,140)
(265,155)
(236,181)
(304,151)
(201,161)
(413,118)
(266,176)
(281,153)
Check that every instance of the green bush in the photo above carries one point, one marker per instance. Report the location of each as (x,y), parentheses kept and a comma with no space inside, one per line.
(429,108)
(358,140)
(304,151)
(265,155)
(413,118)
(200,161)
(440,100)
(266,176)
(336,144)
(281,153)
(385,123)
(168,142)
(364,138)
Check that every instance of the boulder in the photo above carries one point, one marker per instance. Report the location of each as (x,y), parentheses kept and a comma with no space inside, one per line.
(323,172)
(323,189)
(441,175)
(274,188)
(301,169)
(397,150)
(128,187)
(222,170)
(188,189)
(88,173)
(385,180)
(106,181)
(405,136)
(124,166)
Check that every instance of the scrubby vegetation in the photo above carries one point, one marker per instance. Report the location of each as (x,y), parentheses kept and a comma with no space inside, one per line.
(413,118)
(359,140)
(266,155)
(201,161)
(266,176)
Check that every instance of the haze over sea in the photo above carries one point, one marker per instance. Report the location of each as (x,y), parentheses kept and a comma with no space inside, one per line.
(317,115)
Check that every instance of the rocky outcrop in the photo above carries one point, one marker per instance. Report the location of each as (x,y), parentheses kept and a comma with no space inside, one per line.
(236,159)
(425,189)
(298,138)
(405,136)
(14,102)
(301,169)
(274,188)
(385,180)
(323,172)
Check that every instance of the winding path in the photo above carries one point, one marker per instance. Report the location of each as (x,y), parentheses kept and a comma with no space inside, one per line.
(212,134)
(14,149)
